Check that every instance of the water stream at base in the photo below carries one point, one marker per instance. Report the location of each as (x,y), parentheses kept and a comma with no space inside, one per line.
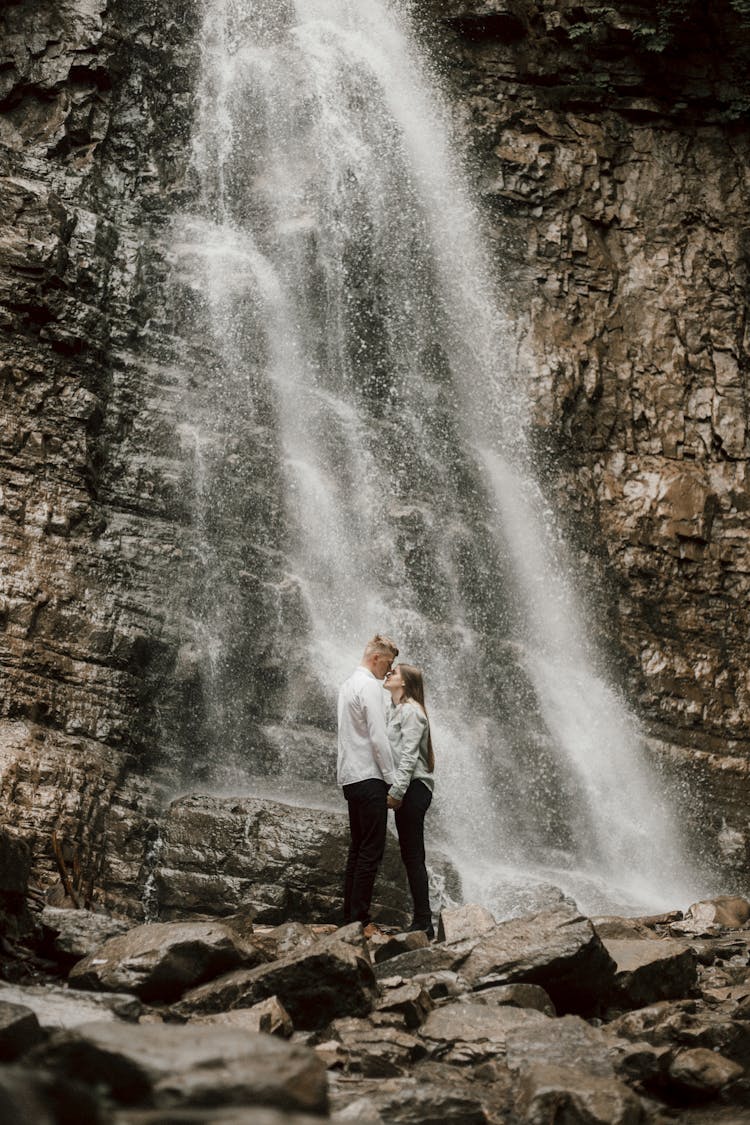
(336,261)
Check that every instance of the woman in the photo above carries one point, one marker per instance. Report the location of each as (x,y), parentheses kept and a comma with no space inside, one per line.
(411,792)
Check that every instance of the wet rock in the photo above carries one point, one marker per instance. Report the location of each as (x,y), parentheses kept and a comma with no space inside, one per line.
(558,950)
(699,1071)
(278,941)
(516,996)
(15,865)
(648,971)
(352,934)
(56,1007)
(269,1016)
(441,984)
(612,927)
(714,915)
(159,961)
(434,1095)
(565,1042)
(29,1096)
(587,1063)
(315,986)
(230,1115)
(409,1000)
(168,1065)
(550,1093)
(429,960)
(462,922)
(281,861)
(465,1032)
(332,1053)
(19,1031)
(399,943)
(686,1024)
(69,935)
(377,1052)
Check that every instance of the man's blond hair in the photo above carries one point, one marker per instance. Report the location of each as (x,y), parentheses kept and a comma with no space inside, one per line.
(381,646)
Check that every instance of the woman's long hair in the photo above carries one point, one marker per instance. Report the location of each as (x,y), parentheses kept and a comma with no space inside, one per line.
(414,691)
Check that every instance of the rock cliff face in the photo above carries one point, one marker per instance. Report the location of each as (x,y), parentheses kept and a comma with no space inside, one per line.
(615,179)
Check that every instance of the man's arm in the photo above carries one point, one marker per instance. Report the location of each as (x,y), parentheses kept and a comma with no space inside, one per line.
(373,705)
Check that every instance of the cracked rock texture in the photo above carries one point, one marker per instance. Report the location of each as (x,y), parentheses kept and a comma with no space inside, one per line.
(615,179)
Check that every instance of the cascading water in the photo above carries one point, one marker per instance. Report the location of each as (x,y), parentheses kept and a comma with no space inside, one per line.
(359,430)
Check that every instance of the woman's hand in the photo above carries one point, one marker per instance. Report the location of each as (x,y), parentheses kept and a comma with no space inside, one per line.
(394,803)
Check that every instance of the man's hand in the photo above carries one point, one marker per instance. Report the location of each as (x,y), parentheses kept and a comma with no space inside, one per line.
(394,803)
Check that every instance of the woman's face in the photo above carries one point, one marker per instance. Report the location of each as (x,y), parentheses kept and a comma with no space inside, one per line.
(394,681)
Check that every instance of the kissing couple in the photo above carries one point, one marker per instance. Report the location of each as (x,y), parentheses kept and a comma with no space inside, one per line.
(385,760)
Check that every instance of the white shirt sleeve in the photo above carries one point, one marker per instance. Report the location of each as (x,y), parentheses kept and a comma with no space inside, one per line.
(373,705)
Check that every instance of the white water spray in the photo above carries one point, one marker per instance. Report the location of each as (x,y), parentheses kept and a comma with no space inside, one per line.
(339,256)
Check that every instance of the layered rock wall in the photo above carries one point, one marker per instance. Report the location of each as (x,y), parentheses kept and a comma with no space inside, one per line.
(94,122)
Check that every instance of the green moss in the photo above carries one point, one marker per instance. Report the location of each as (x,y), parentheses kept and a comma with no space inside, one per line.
(658,31)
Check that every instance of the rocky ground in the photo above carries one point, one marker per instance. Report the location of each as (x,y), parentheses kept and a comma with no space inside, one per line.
(551,1017)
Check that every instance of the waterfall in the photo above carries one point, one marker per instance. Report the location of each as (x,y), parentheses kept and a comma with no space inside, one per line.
(356,419)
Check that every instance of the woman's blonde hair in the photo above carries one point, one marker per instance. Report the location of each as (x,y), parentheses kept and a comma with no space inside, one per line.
(414,691)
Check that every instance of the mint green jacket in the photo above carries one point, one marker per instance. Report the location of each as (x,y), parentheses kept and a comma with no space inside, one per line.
(408,727)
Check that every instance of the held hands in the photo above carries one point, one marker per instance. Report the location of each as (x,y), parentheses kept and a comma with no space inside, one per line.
(394,803)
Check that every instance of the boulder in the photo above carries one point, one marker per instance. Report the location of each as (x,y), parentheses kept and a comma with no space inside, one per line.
(517,996)
(437,1095)
(622,929)
(558,950)
(278,941)
(29,1096)
(19,1031)
(15,866)
(164,1065)
(441,984)
(353,934)
(410,1000)
(651,970)
(56,1007)
(686,1024)
(69,935)
(566,1042)
(227,1115)
(713,915)
(466,1032)
(377,1052)
(279,861)
(322,982)
(462,922)
(431,959)
(700,1072)
(160,960)
(549,1093)
(269,1016)
(400,943)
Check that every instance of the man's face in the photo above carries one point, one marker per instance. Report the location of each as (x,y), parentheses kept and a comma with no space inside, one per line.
(383,665)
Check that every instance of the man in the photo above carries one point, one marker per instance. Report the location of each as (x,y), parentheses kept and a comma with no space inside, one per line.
(366,771)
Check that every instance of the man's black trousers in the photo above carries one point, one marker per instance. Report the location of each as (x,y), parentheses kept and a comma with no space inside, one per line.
(368,817)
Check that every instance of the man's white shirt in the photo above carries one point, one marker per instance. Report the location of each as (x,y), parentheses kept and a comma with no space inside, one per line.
(364,749)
